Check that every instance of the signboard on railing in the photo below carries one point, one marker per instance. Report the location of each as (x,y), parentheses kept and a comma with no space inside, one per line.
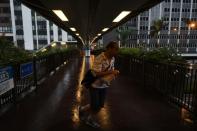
(26,69)
(6,79)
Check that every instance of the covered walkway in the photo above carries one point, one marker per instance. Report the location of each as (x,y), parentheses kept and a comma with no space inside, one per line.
(53,106)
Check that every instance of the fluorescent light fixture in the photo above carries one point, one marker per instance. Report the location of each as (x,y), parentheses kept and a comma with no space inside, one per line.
(77,34)
(61,15)
(99,34)
(73,29)
(122,15)
(53,45)
(105,29)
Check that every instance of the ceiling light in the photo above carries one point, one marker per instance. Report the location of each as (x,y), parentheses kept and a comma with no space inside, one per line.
(121,16)
(105,29)
(77,34)
(73,29)
(99,34)
(61,15)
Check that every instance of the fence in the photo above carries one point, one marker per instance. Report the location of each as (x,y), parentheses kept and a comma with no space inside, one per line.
(18,78)
(176,82)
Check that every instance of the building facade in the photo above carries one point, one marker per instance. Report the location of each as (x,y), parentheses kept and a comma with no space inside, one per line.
(5,20)
(175,34)
(28,29)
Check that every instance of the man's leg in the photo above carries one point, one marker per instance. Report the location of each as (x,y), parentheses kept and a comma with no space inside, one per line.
(94,107)
(102,97)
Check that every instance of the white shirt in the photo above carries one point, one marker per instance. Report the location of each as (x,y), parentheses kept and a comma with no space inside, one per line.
(101,63)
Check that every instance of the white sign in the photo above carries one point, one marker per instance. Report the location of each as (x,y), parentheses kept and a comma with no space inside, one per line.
(6,80)
(6,86)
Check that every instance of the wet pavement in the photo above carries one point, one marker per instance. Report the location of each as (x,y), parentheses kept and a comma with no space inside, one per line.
(54,106)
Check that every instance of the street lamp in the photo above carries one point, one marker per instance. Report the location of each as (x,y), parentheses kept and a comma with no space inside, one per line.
(174,29)
(192,25)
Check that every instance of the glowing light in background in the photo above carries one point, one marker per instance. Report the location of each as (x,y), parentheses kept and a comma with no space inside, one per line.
(91,60)
(104,117)
(75,116)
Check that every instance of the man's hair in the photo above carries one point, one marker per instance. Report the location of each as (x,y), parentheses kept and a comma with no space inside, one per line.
(111,44)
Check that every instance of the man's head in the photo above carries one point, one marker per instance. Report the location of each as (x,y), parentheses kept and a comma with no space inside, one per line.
(112,48)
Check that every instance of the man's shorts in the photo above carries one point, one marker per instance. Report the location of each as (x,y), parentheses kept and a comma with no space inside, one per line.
(97,98)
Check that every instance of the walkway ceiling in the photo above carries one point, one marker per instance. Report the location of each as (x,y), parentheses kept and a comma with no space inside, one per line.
(89,17)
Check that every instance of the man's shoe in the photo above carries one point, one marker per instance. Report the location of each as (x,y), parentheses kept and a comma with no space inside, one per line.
(92,123)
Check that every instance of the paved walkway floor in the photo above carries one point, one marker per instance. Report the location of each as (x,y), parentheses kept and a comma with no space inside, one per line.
(53,106)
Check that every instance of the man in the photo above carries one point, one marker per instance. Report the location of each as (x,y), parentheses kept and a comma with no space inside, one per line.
(103,67)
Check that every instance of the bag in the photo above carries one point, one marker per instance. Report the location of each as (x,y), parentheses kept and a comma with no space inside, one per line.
(89,78)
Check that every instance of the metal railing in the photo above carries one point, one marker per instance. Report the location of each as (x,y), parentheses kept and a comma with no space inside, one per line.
(176,82)
(25,81)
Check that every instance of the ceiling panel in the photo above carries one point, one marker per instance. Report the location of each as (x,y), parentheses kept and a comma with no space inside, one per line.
(89,17)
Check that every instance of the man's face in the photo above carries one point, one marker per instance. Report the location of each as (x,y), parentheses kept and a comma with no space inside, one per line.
(114,51)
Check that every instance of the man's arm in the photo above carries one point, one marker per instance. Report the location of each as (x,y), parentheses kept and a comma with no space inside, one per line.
(101,74)
(97,66)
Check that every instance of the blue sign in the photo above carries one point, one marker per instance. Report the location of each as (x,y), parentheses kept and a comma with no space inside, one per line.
(26,69)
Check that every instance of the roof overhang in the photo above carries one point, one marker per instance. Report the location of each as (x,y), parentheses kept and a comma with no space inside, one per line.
(89,17)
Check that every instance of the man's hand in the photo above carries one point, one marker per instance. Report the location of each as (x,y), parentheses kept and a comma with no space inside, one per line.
(101,74)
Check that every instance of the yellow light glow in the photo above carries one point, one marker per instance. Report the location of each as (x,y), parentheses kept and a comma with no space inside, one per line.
(77,34)
(78,95)
(44,50)
(122,15)
(105,29)
(175,29)
(99,34)
(63,43)
(73,29)
(53,45)
(61,15)
(192,25)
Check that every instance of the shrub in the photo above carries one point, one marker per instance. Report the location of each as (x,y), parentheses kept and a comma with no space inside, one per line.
(157,55)
(11,54)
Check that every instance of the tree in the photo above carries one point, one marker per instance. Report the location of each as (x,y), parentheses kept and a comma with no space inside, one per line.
(122,35)
(10,53)
(156,28)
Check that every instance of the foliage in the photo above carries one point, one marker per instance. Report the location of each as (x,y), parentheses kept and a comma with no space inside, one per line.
(122,35)
(158,55)
(55,50)
(157,27)
(134,52)
(10,54)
